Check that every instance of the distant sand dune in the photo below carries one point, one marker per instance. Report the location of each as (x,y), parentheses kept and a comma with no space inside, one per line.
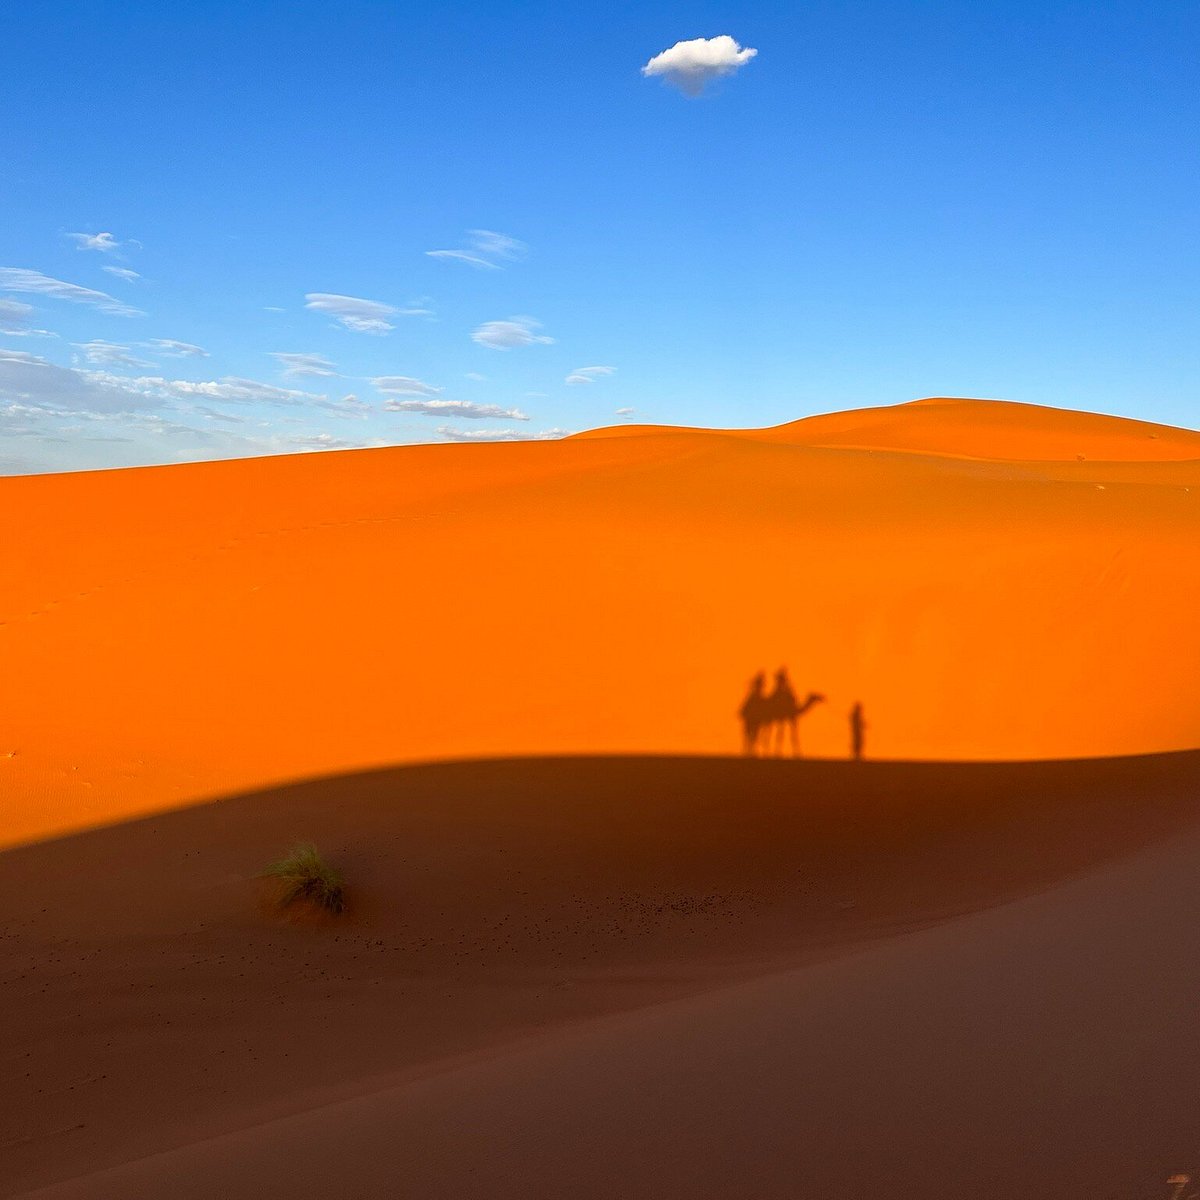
(992,581)
(916,1020)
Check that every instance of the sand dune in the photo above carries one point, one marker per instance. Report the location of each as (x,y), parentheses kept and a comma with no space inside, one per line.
(501,909)
(992,581)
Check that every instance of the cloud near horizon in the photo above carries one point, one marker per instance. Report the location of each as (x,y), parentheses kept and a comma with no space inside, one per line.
(500,435)
(455,408)
(507,335)
(20,279)
(692,65)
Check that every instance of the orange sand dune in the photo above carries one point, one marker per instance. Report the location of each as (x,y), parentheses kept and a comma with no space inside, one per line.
(169,634)
(972,979)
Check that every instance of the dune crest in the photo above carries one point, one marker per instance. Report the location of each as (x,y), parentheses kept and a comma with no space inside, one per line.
(180,632)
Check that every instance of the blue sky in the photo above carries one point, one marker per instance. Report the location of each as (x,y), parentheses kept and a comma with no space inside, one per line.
(887,201)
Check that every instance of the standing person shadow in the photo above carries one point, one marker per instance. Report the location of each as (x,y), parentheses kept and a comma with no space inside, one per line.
(858,731)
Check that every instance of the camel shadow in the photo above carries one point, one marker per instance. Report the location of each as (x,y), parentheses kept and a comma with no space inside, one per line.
(771,719)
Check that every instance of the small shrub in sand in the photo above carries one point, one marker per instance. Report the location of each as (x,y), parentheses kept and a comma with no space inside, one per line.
(305,876)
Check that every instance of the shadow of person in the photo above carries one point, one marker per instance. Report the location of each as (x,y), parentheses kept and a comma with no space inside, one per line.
(858,731)
(783,713)
(753,714)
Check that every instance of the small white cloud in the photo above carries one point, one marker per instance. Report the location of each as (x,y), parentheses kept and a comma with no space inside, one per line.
(472,260)
(691,66)
(174,349)
(273,308)
(486,250)
(319,441)
(347,406)
(507,335)
(475,377)
(104,242)
(305,366)
(362,316)
(455,408)
(626,412)
(404,385)
(108,354)
(122,273)
(18,279)
(588,374)
(500,435)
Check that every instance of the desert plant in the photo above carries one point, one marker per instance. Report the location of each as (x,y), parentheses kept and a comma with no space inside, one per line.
(305,876)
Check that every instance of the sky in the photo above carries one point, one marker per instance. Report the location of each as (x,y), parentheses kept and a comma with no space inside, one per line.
(231,229)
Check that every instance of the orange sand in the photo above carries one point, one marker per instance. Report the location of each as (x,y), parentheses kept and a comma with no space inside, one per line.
(991,580)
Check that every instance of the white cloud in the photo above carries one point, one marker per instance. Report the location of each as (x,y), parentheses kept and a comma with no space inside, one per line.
(18,279)
(273,308)
(362,316)
(507,335)
(691,66)
(29,379)
(347,406)
(122,273)
(109,354)
(230,389)
(14,320)
(626,412)
(320,441)
(174,349)
(96,241)
(486,250)
(500,435)
(588,374)
(305,366)
(455,408)
(404,385)
(464,256)
(475,377)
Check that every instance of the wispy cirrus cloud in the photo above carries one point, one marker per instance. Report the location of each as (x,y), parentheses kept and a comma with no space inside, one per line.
(20,279)
(692,65)
(15,317)
(122,273)
(173,349)
(351,312)
(583,375)
(510,334)
(109,354)
(304,366)
(104,242)
(486,250)
(500,435)
(455,408)
(626,412)
(404,385)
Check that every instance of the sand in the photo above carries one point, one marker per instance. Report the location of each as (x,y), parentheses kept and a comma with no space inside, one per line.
(588,951)
(177,633)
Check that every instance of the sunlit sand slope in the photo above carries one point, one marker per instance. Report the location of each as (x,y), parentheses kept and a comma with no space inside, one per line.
(989,580)
(502,913)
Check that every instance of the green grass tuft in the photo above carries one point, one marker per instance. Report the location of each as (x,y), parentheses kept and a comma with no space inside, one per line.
(306,876)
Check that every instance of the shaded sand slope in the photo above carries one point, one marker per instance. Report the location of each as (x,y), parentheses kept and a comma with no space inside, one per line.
(148,1002)
(925,1042)
(169,634)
